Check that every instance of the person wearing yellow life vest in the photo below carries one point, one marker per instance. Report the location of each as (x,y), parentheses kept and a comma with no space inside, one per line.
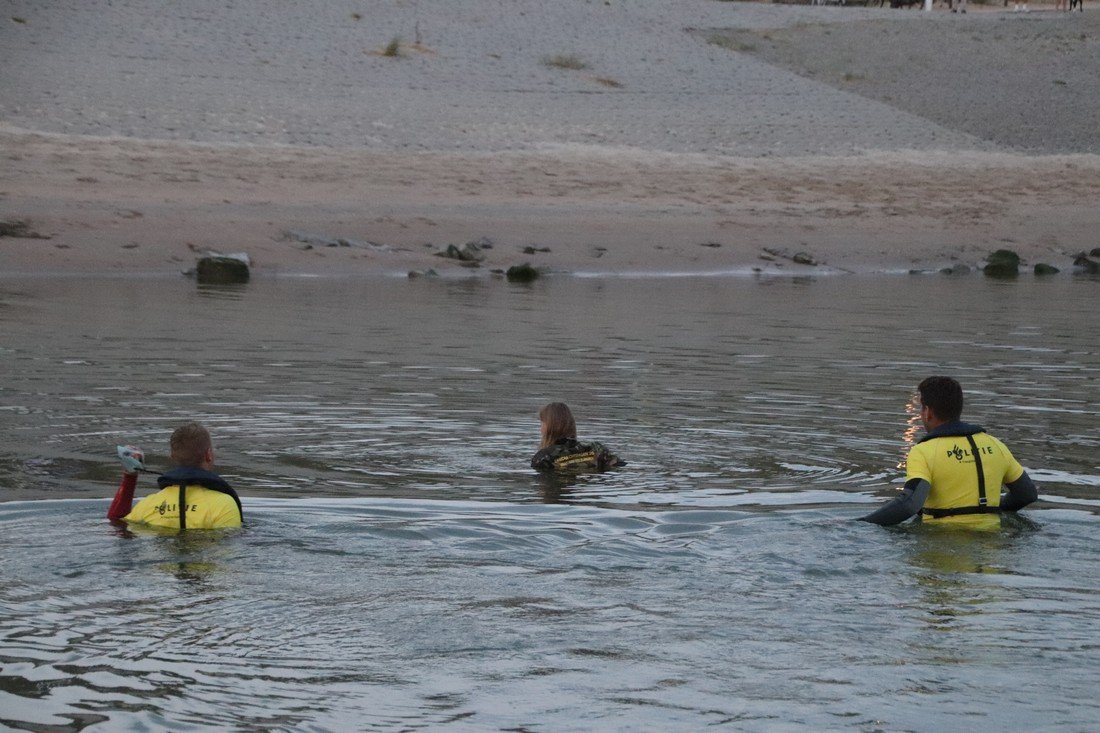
(191,495)
(957,469)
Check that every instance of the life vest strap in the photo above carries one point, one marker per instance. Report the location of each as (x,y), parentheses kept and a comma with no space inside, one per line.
(983,503)
(981,473)
(183,505)
(957,511)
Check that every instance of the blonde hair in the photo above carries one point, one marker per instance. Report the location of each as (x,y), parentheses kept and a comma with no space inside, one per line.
(189,444)
(559,423)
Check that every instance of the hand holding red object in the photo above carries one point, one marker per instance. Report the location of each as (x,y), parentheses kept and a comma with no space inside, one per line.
(133,460)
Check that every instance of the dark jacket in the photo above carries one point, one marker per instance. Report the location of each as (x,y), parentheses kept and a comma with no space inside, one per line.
(567,454)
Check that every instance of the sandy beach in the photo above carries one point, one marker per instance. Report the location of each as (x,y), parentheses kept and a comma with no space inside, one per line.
(620,137)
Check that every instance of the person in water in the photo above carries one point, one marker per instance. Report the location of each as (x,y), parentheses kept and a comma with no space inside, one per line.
(191,495)
(560,450)
(956,469)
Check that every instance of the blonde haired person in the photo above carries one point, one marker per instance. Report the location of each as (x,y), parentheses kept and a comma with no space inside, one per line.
(559,449)
(191,495)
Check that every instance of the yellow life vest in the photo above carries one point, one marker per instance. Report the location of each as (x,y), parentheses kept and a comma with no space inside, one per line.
(204,509)
(966,473)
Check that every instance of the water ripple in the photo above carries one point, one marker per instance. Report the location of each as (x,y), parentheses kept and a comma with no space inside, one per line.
(478,614)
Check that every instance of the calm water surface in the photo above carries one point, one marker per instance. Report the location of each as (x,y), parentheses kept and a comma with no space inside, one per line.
(402,568)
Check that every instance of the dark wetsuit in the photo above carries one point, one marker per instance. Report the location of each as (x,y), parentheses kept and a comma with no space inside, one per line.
(567,454)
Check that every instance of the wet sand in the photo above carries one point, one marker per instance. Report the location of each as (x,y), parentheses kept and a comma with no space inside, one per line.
(698,137)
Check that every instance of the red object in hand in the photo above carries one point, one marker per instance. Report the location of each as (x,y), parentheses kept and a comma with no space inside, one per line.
(124,499)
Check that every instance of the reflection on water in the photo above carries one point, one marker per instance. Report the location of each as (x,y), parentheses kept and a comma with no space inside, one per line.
(428,579)
(913,428)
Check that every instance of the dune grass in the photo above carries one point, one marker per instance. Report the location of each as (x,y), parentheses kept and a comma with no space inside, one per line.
(393,48)
(565,61)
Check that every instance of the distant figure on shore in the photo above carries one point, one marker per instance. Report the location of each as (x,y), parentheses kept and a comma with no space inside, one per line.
(1018,7)
(560,450)
(191,495)
(957,469)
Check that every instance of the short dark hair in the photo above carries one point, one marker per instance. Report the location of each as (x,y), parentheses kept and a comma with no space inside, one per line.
(944,395)
(189,444)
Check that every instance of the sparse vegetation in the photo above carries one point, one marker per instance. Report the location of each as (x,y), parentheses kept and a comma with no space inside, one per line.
(17,19)
(356,16)
(731,44)
(608,82)
(849,76)
(393,48)
(565,61)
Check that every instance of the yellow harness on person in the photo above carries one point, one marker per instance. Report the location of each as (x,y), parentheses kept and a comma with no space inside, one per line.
(588,459)
(187,506)
(941,458)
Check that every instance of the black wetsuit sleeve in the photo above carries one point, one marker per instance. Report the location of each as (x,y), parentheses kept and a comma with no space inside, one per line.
(542,461)
(903,506)
(1021,492)
(607,459)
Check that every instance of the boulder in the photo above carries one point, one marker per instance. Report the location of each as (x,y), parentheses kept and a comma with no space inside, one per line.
(468,253)
(803,258)
(521,273)
(1095,252)
(20,229)
(1002,263)
(1084,263)
(1044,269)
(956,269)
(220,269)
(309,241)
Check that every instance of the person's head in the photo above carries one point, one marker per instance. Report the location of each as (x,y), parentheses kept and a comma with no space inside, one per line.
(941,401)
(191,446)
(557,422)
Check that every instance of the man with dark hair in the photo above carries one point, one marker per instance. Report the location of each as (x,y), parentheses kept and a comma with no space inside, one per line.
(957,469)
(191,495)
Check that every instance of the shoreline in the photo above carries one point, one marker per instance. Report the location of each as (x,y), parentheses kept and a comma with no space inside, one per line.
(685,136)
(124,205)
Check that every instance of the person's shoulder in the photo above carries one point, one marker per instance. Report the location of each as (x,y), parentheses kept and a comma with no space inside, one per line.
(563,447)
(213,501)
(212,495)
(606,458)
(923,447)
(217,509)
(543,458)
(999,445)
(146,509)
(153,499)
